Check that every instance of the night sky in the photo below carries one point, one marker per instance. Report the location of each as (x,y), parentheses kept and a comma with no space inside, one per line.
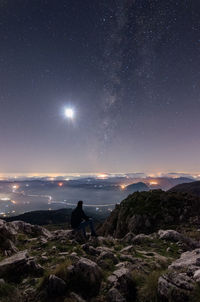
(130,70)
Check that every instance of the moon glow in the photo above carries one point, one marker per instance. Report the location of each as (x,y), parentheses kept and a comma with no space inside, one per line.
(69,113)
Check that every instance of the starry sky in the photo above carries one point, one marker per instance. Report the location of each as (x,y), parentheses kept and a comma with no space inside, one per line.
(130,69)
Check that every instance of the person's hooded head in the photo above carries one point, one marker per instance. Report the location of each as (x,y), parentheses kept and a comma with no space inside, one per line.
(80,204)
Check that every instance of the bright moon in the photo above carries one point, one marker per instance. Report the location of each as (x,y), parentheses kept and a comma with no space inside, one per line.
(69,113)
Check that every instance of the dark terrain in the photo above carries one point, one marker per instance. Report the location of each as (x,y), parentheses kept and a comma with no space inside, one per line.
(148,251)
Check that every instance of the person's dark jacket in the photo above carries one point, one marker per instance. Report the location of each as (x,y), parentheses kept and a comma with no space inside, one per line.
(77,217)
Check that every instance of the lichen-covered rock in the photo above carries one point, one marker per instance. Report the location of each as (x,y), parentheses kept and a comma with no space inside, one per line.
(175,287)
(90,250)
(128,237)
(19,265)
(183,274)
(141,238)
(114,295)
(85,277)
(7,238)
(175,236)
(121,280)
(128,249)
(29,229)
(107,255)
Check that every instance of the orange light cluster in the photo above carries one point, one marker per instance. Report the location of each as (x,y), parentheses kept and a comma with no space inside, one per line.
(102,176)
(123,187)
(153,183)
(60,184)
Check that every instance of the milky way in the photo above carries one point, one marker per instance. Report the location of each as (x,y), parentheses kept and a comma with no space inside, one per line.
(130,69)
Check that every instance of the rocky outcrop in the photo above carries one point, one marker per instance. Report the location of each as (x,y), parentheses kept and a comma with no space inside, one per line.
(122,286)
(10,230)
(85,277)
(7,238)
(56,286)
(29,229)
(182,276)
(175,236)
(18,266)
(147,212)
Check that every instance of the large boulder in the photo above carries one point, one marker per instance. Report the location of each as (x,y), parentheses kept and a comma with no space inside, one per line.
(85,277)
(175,236)
(7,238)
(18,266)
(123,287)
(29,229)
(181,278)
(114,295)
(56,286)
(142,238)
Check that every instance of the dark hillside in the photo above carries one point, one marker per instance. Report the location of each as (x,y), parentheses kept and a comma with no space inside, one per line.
(146,212)
(191,188)
(56,216)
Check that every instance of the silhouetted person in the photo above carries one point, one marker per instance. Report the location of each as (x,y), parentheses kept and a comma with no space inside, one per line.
(79,221)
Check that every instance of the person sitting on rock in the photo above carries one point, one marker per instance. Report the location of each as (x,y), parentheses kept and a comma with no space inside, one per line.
(79,221)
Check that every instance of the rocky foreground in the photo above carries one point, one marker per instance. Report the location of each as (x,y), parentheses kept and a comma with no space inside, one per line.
(39,265)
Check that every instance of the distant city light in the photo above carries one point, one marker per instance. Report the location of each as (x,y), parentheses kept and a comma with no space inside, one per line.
(102,176)
(153,183)
(123,187)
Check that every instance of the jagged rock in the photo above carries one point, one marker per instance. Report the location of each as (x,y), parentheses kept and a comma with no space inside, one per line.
(106,259)
(71,235)
(187,259)
(76,298)
(56,286)
(43,240)
(63,253)
(62,234)
(128,258)
(101,249)
(147,212)
(122,280)
(107,255)
(19,265)
(141,238)
(8,247)
(7,237)
(128,237)
(178,283)
(128,249)
(29,229)
(175,287)
(85,277)
(115,296)
(175,236)
(90,250)
(124,264)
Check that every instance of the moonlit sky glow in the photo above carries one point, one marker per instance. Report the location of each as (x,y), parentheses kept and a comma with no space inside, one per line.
(131,70)
(69,112)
